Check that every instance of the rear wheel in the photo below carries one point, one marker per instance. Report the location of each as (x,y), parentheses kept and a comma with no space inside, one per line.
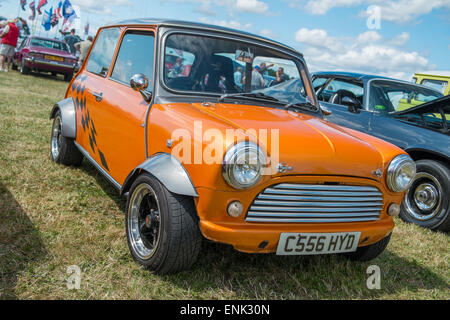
(63,150)
(68,77)
(23,68)
(369,252)
(427,202)
(162,227)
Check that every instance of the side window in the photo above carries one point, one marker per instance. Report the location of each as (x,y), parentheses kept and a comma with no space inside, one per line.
(135,56)
(103,52)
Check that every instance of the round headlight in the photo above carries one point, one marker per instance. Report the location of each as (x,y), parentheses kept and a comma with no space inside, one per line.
(401,173)
(243,165)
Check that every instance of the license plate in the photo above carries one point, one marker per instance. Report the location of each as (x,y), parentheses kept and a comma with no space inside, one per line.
(53,58)
(317,243)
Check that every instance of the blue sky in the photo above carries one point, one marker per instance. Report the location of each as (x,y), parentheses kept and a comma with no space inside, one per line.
(411,35)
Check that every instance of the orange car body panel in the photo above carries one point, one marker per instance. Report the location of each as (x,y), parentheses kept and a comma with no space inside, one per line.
(318,152)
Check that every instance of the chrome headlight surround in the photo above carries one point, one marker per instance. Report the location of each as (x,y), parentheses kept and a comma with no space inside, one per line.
(243,165)
(401,173)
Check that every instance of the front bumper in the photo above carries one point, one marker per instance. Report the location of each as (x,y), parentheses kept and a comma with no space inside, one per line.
(247,236)
(50,66)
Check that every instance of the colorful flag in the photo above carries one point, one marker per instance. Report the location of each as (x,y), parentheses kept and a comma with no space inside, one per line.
(33,10)
(68,11)
(23,3)
(58,11)
(54,20)
(46,19)
(86,29)
(40,5)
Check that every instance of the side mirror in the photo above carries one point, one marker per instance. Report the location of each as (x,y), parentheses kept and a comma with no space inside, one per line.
(139,82)
(352,104)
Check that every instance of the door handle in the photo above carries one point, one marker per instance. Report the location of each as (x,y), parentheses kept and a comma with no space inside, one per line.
(98,96)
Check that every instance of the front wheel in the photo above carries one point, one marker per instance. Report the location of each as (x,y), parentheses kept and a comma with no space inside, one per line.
(427,202)
(369,252)
(162,227)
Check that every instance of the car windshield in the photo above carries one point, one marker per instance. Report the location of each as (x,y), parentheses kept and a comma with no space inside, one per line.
(45,43)
(392,96)
(202,64)
(438,85)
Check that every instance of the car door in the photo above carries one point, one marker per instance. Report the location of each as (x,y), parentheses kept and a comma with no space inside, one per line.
(118,111)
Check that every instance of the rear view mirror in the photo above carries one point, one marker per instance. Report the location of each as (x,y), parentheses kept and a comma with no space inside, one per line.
(139,82)
(352,104)
(244,56)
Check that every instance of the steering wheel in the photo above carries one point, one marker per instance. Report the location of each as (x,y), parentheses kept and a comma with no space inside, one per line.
(337,97)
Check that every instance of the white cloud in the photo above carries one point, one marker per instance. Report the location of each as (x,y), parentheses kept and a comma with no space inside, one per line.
(365,53)
(400,40)
(268,33)
(400,11)
(369,37)
(253,6)
(233,6)
(99,7)
(226,23)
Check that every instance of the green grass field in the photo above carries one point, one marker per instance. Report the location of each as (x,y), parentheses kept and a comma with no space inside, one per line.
(53,217)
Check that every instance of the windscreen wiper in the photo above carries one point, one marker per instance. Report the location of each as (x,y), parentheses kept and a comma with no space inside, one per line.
(306,106)
(258,95)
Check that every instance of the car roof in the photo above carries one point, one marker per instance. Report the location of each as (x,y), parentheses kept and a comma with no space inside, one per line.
(197,25)
(350,75)
(434,73)
(45,38)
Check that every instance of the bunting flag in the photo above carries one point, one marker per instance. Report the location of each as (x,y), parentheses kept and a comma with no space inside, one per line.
(40,5)
(86,29)
(67,11)
(46,19)
(54,20)
(23,3)
(33,10)
(59,10)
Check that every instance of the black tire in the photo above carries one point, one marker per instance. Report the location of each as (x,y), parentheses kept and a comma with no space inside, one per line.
(369,252)
(68,77)
(178,241)
(63,151)
(13,66)
(436,176)
(23,68)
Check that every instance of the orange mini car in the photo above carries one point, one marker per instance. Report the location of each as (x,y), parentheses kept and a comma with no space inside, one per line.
(217,133)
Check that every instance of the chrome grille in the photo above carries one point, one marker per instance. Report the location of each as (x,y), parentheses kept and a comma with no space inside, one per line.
(316,204)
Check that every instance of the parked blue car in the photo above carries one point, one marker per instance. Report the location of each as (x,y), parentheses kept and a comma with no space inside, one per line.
(410,116)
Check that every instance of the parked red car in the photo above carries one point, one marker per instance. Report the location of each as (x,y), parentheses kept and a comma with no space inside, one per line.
(45,55)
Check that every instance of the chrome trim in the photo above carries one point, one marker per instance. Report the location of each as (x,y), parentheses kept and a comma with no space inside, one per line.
(412,202)
(314,203)
(393,169)
(51,63)
(98,167)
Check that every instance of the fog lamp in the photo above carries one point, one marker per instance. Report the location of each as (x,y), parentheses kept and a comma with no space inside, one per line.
(394,210)
(235,209)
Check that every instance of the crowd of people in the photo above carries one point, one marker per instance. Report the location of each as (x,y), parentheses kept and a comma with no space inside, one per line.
(257,80)
(10,33)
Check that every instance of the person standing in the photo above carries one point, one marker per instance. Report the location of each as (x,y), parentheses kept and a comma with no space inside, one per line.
(281,76)
(71,39)
(257,79)
(9,36)
(83,47)
(238,77)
